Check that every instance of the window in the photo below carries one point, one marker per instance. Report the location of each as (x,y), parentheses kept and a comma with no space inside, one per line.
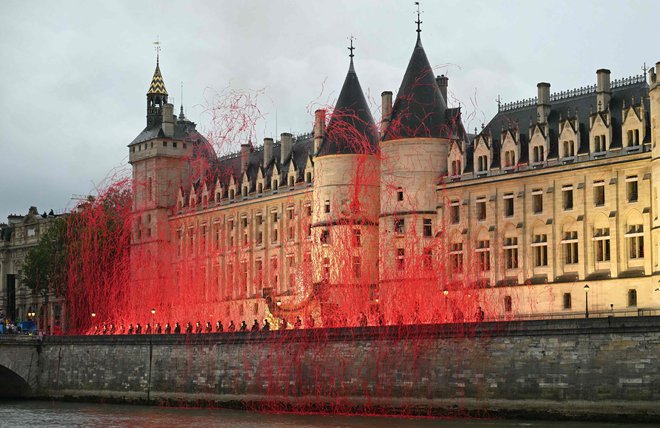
(326,268)
(599,144)
(357,267)
(540,250)
(150,188)
(567,301)
(191,240)
(427,258)
(290,264)
(569,148)
(635,237)
(455,212)
(325,236)
(216,236)
(276,184)
(539,154)
(632,297)
(231,193)
(260,187)
(428,228)
(508,205)
(483,255)
(308,177)
(599,193)
(399,194)
(456,257)
(482,163)
(245,191)
(631,188)
(570,247)
(511,253)
(508,304)
(481,209)
(509,158)
(274,272)
(259,278)
(292,181)
(537,201)
(456,167)
(400,259)
(357,238)
(274,236)
(273,215)
(399,226)
(602,244)
(567,197)
(633,138)
(327,206)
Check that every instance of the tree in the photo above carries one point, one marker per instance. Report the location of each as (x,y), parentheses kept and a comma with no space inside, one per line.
(44,268)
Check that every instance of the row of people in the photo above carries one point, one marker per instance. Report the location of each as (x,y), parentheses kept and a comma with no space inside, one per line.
(108,329)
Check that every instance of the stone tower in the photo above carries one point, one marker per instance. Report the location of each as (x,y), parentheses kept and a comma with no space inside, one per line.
(346,197)
(654,104)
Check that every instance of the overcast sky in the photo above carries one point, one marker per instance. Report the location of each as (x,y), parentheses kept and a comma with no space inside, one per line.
(73,75)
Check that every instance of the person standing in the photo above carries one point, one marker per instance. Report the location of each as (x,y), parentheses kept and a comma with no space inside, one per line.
(219,327)
(298,323)
(177,328)
(266,326)
(255,325)
(243,326)
(232,327)
(168,328)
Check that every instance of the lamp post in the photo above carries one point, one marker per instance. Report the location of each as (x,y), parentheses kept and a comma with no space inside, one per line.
(586,300)
(446,293)
(153,325)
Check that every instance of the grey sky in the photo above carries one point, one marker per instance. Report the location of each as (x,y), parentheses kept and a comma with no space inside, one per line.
(73,75)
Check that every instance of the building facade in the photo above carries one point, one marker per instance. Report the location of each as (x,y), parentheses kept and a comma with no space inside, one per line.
(17,301)
(553,194)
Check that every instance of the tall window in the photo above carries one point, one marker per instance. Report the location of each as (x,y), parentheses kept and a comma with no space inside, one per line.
(456,167)
(567,197)
(399,194)
(259,277)
(540,249)
(599,144)
(326,206)
(483,255)
(400,259)
(570,247)
(326,268)
(291,264)
(357,267)
(455,212)
(635,237)
(399,226)
(357,237)
(325,236)
(632,297)
(509,158)
(539,154)
(427,258)
(602,244)
(508,304)
(274,272)
(456,257)
(481,209)
(508,205)
(569,148)
(482,163)
(633,137)
(511,253)
(567,301)
(537,201)
(428,228)
(599,193)
(631,188)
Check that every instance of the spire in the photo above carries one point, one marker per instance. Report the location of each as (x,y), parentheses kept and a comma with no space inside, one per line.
(351,129)
(419,110)
(157,84)
(419,21)
(181,115)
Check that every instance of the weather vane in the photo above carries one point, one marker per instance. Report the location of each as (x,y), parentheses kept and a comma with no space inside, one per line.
(351,48)
(157,48)
(419,21)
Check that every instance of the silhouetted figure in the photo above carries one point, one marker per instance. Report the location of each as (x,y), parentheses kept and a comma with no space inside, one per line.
(283,324)
(104,330)
(138,328)
(111,330)
(266,326)
(381,320)
(243,326)
(255,325)
(188,328)
(147,329)
(198,328)
(362,320)
(298,324)
(219,328)
(232,327)
(481,315)
(130,329)
(177,328)
(168,328)
(209,327)
(159,328)
(96,330)
(309,323)
(122,330)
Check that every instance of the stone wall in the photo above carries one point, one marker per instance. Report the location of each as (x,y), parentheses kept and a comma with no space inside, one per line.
(593,368)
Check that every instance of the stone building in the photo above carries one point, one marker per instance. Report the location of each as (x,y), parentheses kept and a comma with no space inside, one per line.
(17,301)
(554,193)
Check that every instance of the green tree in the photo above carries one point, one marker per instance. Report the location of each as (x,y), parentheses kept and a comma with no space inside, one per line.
(44,268)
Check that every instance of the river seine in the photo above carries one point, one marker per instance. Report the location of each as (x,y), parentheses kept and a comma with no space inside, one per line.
(43,414)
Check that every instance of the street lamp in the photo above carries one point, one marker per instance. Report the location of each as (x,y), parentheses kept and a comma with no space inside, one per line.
(93,314)
(153,325)
(586,300)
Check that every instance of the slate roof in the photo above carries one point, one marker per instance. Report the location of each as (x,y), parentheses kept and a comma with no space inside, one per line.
(567,107)
(419,109)
(351,128)
(157,84)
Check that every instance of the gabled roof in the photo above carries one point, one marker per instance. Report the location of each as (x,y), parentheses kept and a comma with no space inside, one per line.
(419,108)
(351,128)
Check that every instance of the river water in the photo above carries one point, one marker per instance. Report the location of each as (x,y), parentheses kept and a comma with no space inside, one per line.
(43,414)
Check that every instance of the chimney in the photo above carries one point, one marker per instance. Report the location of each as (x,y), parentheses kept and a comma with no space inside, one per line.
(542,102)
(245,156)
(603,93)
(386,111)
(268,151)
(443,82)
(319,129)
(286,143)
(653,76)
(168,120)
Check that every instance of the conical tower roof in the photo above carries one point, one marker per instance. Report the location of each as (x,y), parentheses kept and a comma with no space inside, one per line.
(351,129)
(157,84)
(419,110)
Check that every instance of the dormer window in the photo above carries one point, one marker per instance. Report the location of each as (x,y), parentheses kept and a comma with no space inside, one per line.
(232,193)
(482,163)
(633,137)
(539,154)
(569,148)
(260,187)
(456,167)
(308,177)
(275,184)
(599,143)
(292,181)
(245,191)
(509,158)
